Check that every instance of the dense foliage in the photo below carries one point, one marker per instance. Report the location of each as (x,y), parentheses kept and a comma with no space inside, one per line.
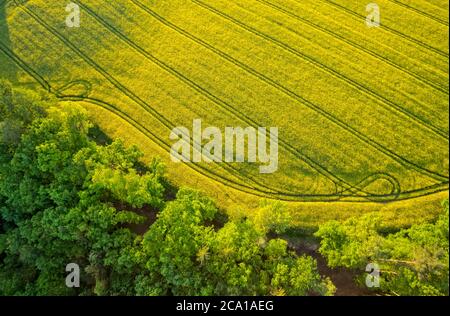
(414,261)
(58,192)
(66,199)
(236,259)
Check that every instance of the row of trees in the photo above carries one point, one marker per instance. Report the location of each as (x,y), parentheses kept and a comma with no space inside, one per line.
(413,261)
(65,199)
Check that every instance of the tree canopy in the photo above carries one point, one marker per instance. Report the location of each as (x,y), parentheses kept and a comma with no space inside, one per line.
(413,261)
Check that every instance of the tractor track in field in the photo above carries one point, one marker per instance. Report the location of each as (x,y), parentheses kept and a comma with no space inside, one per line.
(239,114)
(155,114)
(150,135)
(418,11)
(207,173)
(374,144)
(387,28)
(387,104)
(145,106)
(243,66)
(433,5)
(432,67)
(329,175)
(111,108)
(356,46)
(322,170)
(437,187)
(395,194)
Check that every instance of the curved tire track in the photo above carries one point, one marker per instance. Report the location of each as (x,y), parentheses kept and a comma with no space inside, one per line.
(321,198)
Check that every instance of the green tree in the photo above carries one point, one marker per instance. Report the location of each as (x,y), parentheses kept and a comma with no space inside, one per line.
(59,192)
(186,255)
(414,261)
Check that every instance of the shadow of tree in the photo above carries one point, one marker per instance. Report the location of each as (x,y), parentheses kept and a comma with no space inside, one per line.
(8,69)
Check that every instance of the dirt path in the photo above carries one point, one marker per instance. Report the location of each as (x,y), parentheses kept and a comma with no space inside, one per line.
(342,278)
